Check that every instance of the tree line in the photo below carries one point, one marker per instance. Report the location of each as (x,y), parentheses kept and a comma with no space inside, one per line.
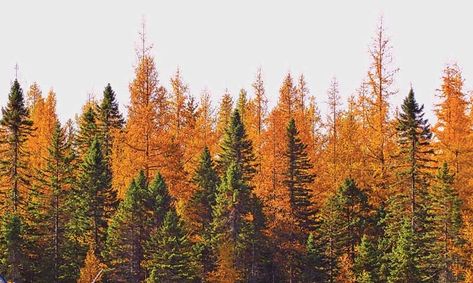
(180,191)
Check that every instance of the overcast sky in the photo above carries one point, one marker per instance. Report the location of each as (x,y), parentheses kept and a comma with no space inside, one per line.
(76,47)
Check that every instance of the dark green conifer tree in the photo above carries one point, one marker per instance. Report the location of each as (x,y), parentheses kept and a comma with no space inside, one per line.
(172,258)
(16,127)
(403,263)
(87,130)
(127,234)
(109,119)
(95,185)
(366,264)
(237,148)
(231,225)
(447,226)
(297,179)
(199,208)
(55,181)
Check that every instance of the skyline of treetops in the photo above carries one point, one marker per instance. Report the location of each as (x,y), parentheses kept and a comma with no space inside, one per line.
(180,189)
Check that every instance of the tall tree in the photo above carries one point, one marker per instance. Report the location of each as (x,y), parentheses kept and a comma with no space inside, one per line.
(148,116)
(16,128)
(452,128)
(55,181)
(414,137)
(231,224)
(302,212)
(381,76)
(94,184)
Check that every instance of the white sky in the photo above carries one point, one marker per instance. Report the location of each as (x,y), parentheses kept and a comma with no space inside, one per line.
(76,47)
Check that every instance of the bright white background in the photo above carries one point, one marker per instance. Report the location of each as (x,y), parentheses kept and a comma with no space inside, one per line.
(76,47)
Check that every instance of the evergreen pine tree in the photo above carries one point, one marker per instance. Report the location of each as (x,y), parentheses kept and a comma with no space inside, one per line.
(447,226)
(16,127)
(13,262)
(139,215)
(414,137)
(87,129)
(230,224)
(236,147)
(315,261)
(199,207)
(127,233)
(297,179)
(95,186)
(109,120)
(172,258)
(56,180)
(159,200)
(403,266)
(366,264)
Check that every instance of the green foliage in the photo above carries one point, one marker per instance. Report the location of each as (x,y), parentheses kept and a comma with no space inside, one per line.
(55,180)
(109,119)
(138,215)
(237,148)
(172,258)
(87,129)
(199,207)
(366,264)
(447,227)
(12,243)
(403,267)
(16,127)
(315,264)
(298,177)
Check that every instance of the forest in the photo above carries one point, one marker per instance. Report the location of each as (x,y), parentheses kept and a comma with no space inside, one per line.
(178,189)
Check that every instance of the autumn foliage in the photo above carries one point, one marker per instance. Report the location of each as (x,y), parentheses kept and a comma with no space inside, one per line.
(189,187)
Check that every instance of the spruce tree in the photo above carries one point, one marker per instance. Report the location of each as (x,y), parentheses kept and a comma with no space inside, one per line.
(415,161)
(87,129)
(139,215)
(199,207)
(297,179)
(172,258)
(347,215)
(447,227)
(95,186)
(231,226)
(315,261)
(403,266)
(127,234)
(13,261)
(56,180)
(237,147)
(109,120)
(16,127)
(414,138)
(159,201)
(366,264)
